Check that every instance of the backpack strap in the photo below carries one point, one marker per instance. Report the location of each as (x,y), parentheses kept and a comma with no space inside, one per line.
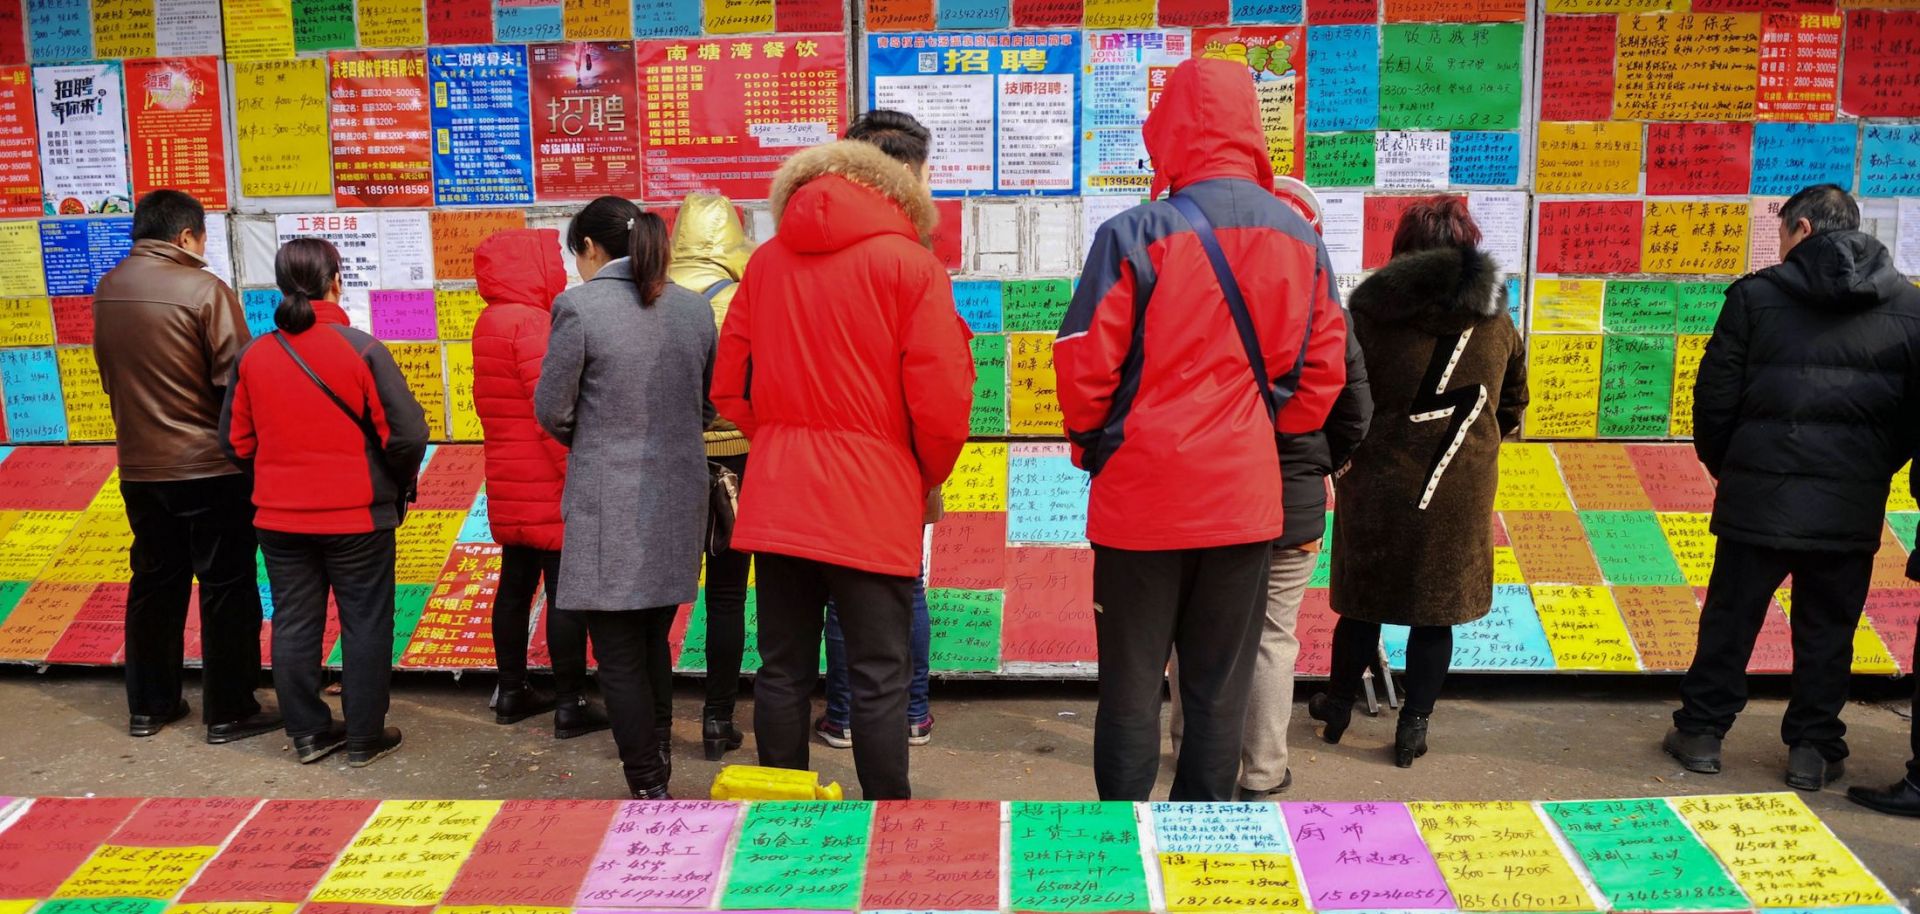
(1275,393)
(713,291)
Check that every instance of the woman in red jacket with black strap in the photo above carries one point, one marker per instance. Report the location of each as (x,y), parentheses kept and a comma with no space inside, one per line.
(519,273)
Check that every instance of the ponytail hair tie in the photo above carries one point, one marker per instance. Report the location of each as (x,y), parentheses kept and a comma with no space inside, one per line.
(629,225)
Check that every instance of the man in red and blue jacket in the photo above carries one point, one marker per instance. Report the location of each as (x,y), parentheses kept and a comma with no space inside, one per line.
(1161,408)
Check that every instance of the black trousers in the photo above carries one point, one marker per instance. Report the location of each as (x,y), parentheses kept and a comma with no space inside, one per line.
(358,569)
(1210,604)
(521,570)
(629,645)
(1829,594)
(876,616)
(1913,763)
(1429,653)
(726,617)
(182,530)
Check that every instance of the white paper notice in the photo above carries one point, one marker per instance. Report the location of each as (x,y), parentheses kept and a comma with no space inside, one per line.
(357,236)
(1906,243)
(791,135)
(996,236)
(219,251)
(406,251)
(959,111)
(1763,236)
(187,28)
(1036,132)
(1502,217)
(1343,227)
(1095,211)
(1051,225)
(83,139)
(1411,160)
(1345,283)
(1877,218)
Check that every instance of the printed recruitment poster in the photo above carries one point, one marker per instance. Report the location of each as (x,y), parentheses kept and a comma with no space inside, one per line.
(382,140)
(1278,59)
(1125,73)
(482,144)
(19,147)
(1003,106)
(173,122)
(721,115)
(586,121)
(83,143)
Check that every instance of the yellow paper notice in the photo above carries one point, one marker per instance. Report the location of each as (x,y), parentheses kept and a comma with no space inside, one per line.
(1780,853)
(20,906)
(737,17)
(599,20)
(456,311)
(1689,349)
(1506,566)
(1589,158)
(98,551)
(1695,238)
(409,853)
(89,417)
(466,419)
(1901,497)
(422,544)
(1609,6)
(123,28)
(21,272)
(392,24)
(109,500)
(1530,480)
(1584,628)
(1033,404)
(420,365)
(1119,14)
(1686,68)
(1870,653)
(280,123)
(135,872)
(230,907)
(1279,101)
(1563,372)
(34,538)
(979,480)
(1568,305)
(496,909)
(1692,544)
(1499,857)
(26,322)
(263,30)
(7,520)
(1231,882)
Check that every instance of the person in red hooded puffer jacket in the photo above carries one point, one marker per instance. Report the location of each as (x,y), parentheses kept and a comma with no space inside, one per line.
(519,273)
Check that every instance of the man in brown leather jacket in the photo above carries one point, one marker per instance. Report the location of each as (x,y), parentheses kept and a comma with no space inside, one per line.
(166,332)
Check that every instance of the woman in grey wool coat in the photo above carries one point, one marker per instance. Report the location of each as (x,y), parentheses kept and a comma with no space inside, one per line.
(625,387)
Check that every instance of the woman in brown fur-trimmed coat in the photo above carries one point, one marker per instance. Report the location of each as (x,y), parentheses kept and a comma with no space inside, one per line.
(1412,539)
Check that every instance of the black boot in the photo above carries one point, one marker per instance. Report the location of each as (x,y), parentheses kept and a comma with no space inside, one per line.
(578,717)
(720,737)
(646,792)
(364,752)
(515,705)
(1336,713)
(1409,738)
(663,737)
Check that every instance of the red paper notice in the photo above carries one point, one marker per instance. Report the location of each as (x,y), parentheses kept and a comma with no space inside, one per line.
(97,636)
(969,551)
(1895,614)
(1673,477)
(1315,629)
(13,33)
(282,851)
(53,478)
(1576,75)
(1799,67)
(73,320)
(586,120)
(1381,217)
(1331,12)
(1454,10)
(938,855)
(809,16)
(1583,237)
(52,839)
(19,145)
(455,628)
(1879,78)
(452,479)
(947,234)
(1049,605)
(1699,159)
(174,130)
(382,140)
(184,822)
(1203,13)
(460,22)
(1031,14)
(534,852)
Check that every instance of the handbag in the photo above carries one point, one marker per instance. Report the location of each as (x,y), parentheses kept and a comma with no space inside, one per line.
(410,491)
(723,501)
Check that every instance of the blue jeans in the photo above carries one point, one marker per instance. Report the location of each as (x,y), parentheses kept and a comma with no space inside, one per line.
(840,694)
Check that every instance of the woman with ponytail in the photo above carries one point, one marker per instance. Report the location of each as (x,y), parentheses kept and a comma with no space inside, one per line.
(624,386)
(321,416)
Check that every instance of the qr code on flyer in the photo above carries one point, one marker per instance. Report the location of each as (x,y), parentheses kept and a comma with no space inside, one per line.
(929,61)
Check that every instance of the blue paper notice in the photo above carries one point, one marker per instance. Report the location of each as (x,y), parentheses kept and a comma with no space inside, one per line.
(1515,299)
(1484,157)
(63,250)
(1788,157)
(59,30)
(1343,78)
(1890,161)
(30,381)
(260,305)
(1508,638)
(477,528)
(516,24)
(1046,496)
(1220,828)
(660,19)
(483,148)
(979,305)
(1285,12)
(973,14)
(108,241)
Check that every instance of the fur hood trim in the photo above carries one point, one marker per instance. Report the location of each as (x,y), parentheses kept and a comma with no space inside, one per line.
(1443,290)
(863,164)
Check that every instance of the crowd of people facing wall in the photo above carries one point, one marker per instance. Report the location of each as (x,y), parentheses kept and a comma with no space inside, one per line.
(1212,382)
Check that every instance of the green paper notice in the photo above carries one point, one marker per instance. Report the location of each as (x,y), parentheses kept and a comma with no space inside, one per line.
(409,602)
(1643,858)
(1632,306)
(1073,857)
(800,855)
(989,385)
(1340,159)
(104,906)
(1698,306)
(1631,548)
(1904,524)
(1450,77)
(966,629)
(320,25)
(1035,305)
(1636,386)
(10,594)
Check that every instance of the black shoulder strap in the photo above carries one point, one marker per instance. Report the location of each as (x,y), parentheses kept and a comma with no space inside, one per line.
(713,291)
(364,422)
(1276,393)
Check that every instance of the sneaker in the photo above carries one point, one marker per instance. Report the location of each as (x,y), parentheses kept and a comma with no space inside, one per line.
(920,733)
(835,735)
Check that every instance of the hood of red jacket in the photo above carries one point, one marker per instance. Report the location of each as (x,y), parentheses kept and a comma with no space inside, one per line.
(520,267)
(831,197)
(1206,126)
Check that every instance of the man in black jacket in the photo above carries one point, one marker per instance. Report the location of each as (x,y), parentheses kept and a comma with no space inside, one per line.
(1806,404)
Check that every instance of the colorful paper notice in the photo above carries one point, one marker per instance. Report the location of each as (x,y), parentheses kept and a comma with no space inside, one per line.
(1588,158)
(322,25)
(57,30)
(463,418)
(659,855)
(1699,159)
(1563,373)
(1075,857)
(1767,841)
(19,147)
(30,379)
(1567,305)
(457,232)
(1631,547)
(1643,858)
(1799,78)
(1588,237)
(1230,882)
(481,125)
(281,852)
(1678,67)
(1889,160)
(1877,72)
(1499,857)
(1529,480)
(804,855)
(1046,495)
(1277,59)
(21,274)
(1364,856)
(1551,547)
(1787,157)
(54,837)
(280,127)
(1584,627)
(966,629)
(1125,73)
(1695,238)
(135,872)
(701,136)
(1451,77)
(123,28)
(939,854)
(409,853)
(89,417)
(262,30)
(392,23)
(175,128)
(735,17)
(382,140)
(1343,78)
(1576,68)
(1636,386)
(79,109)
(1219,828)
(1033,404)
(586,121)
(1665,624)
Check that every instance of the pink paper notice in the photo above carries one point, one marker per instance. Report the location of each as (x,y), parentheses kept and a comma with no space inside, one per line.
(1364,856)
(664,854)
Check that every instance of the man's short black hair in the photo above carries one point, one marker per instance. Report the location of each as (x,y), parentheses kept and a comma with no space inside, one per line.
(1826,207)
(897,134)
(162,215)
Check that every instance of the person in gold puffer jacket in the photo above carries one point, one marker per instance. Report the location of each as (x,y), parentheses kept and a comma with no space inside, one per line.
(710,249)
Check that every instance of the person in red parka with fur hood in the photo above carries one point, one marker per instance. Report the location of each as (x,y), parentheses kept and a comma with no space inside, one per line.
(520,273)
